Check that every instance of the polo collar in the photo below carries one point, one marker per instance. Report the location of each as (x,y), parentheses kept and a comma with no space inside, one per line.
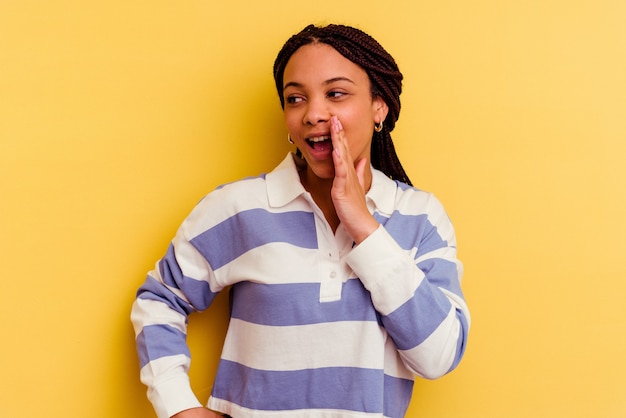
(284,186)
(382,194)
(283,183)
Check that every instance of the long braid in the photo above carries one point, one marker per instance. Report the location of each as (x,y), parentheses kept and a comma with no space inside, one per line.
(385,78)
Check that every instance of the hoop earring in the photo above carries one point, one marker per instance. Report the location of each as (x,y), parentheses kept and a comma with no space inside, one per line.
(378,126)
(290,140)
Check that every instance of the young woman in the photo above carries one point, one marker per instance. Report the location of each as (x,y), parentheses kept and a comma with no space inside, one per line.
(344,278)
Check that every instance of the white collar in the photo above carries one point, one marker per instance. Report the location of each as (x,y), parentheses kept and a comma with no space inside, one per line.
(283,186)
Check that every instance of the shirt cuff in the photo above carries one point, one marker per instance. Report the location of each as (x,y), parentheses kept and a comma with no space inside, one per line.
(385,269)
(173,396)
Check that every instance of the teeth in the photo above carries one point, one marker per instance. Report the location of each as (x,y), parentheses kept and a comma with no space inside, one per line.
(319,138)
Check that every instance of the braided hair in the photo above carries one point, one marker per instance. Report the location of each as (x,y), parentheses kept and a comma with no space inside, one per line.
(382,70)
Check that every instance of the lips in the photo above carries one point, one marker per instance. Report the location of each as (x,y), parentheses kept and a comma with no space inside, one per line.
(320,146)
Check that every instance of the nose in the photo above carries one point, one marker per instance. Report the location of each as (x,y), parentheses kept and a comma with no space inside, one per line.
(316,112)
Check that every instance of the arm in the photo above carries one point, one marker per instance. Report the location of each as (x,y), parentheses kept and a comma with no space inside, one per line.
(177,286)
(419,297)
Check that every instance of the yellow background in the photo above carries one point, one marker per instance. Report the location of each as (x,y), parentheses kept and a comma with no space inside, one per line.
(117,116)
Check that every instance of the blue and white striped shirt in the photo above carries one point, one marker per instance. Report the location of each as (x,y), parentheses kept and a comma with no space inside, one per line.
(319,328)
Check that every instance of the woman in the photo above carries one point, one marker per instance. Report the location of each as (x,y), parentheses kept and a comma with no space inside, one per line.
(344,279)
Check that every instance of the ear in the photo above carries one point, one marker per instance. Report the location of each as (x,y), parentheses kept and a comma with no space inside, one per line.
(379,109)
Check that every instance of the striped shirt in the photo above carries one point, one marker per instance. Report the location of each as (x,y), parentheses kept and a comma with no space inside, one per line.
(319,328)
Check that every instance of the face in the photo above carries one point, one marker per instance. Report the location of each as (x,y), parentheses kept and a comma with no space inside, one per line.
(320,83)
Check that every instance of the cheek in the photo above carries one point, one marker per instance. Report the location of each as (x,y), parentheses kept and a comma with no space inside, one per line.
(290,120)
(361,115)
(360,124)
(359,129)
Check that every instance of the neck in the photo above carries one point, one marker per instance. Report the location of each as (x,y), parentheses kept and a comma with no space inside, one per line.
(320,190)
(315,185)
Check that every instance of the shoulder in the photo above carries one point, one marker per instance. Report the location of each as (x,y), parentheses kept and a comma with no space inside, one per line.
(411,200)
(225,202)
(392,196)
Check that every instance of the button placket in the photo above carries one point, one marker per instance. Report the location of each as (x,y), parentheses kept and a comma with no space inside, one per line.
(330,268)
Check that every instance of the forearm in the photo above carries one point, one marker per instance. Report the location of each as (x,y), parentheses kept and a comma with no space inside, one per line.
(164,356)
(159,316)
(427,321)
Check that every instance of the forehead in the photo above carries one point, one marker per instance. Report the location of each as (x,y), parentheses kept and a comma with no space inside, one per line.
(318,63)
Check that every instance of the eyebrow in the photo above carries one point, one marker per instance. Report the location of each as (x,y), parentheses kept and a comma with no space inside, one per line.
(327,82)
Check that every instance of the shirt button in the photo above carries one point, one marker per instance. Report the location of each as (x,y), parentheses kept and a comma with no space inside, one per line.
(333,274)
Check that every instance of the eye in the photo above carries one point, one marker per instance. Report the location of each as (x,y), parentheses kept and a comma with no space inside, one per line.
(293,99)
(336,94)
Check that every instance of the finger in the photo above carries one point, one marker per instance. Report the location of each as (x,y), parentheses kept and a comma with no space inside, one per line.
(337,137)
(360,170)
(339,140)
(344,164)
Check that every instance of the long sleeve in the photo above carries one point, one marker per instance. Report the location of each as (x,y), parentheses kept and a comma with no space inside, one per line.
(409,265)
(177,286)
(309,312)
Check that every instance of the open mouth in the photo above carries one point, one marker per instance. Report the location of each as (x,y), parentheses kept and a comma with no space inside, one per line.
(320,143)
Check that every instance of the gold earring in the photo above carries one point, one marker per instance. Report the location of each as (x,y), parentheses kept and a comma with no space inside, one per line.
(289,139)
(378,126)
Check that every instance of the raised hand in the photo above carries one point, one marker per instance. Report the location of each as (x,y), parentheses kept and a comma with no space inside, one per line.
(352,179)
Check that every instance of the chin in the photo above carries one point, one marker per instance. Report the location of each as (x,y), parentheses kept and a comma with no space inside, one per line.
(323,173)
